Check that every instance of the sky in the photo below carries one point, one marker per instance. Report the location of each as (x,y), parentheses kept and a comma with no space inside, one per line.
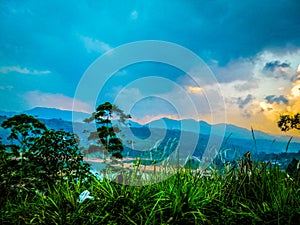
(252,50)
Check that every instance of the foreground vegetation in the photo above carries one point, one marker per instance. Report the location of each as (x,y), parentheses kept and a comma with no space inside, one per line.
(252,194)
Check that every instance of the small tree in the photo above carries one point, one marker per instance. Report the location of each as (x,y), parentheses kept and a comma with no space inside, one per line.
(106,131)
(24,130)
(38,157)
(288,122)
(58,157)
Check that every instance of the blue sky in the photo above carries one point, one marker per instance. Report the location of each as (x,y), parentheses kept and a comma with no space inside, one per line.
(252,47)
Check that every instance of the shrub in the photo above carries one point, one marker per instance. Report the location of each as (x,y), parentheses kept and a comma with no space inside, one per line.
(38,158)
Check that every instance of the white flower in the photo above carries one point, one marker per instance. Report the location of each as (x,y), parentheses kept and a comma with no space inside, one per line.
(85,195)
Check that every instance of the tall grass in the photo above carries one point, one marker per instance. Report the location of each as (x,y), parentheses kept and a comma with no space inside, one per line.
(253,193)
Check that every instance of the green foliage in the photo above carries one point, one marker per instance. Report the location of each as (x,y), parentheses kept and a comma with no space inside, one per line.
(57,155)
(24,130)
(41,158)
(247,194)
(288,122)
(293,169)
(107,133)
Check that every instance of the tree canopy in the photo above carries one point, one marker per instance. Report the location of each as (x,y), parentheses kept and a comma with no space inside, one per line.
(24,129)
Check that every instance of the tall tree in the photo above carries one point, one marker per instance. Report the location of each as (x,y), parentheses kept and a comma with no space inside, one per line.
(106,131)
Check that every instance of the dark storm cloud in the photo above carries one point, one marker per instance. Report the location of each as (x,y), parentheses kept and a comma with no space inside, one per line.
(243,28)
(272,66)
(276,99)
(50,31)
(243,102)
(277,69)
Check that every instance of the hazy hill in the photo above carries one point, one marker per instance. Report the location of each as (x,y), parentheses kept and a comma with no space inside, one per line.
(145,136)
(50,113)
(205,128)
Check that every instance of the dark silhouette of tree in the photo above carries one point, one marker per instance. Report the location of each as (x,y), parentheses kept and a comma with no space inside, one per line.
(107,132)
(288,122)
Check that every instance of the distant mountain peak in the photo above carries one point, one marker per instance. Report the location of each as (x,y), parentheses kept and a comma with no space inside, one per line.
(54,113)
(47,108)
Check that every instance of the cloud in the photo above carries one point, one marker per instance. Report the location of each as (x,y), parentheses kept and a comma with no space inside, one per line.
(295,91)
(195,90)
(148,118)
(245,98)
(240,69)
(7,87)
(134,15)
(94,45)
(22,70)
(277,69)
(274,99)
(243,102)
(276,65)
(59,101)
(272,106)
(293,97)
(248,85)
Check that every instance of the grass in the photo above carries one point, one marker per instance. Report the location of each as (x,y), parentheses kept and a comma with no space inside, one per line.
(251,193)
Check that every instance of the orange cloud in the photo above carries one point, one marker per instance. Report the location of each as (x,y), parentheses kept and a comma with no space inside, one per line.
(195,90)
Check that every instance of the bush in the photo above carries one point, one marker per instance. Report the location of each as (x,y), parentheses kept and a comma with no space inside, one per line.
(38,158)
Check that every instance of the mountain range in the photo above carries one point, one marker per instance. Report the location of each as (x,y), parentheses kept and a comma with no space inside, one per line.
(50,113)
(206,129)
(239,137)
